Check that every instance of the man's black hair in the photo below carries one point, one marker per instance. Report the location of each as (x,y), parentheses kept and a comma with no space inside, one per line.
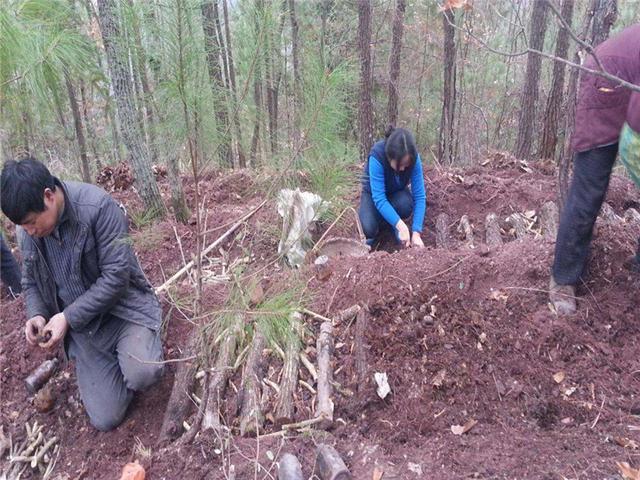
(22,186)
(399,142)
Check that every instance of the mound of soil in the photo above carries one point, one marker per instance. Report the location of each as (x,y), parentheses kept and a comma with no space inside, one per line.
(465,336)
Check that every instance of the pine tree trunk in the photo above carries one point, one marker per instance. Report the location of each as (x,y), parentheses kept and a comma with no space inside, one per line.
(605,14)
(365,111)
(295,57)
(77,123)
(555,99)
(446,142)
(257,83)
(212,45)
(116,59)
(242,161)
(91,134)
(394,62)
(527,117)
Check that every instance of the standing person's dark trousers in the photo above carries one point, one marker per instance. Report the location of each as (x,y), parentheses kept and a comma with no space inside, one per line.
(371,219)
(591,174)
(9,269)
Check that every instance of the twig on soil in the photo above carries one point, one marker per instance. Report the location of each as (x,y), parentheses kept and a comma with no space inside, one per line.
(595,422)
(316,315)
(324,409)
(431,277)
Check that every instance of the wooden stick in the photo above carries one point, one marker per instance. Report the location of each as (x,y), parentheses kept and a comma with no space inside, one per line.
(549,219)
(493,238)
(216,243)
(516,220)
(361,348)
(443,239)
(284,408)
(466,228)
(324,408)
(251,416)
(309,366)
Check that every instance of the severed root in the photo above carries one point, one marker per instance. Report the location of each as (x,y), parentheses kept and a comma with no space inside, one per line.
(289,468)
(519,224)
(466,228)
(443,238)
(330,465)
(289,382)
(222,371)
(361,347)
(549,218)
(492,231)
(179,402)
(324,407)
(251,416)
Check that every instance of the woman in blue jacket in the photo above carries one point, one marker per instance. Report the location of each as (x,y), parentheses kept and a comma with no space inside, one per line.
(392,164)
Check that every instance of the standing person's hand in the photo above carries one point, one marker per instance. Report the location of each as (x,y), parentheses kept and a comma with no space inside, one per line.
(33,329)
(58,327)
(416,240)
(403,233)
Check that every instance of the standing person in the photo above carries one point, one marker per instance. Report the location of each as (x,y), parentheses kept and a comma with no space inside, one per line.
(607,120)
(9,269)
(83,286)
(386,200)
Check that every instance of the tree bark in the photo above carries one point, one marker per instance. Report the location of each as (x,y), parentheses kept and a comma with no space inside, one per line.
(257,83)
(527,117)
(555,99)
(116,56)
(365,111)
(77,123)
(242,161)
(295,57)
(90,131)
(446,142)
(605,14)
(394,62)
(213,50)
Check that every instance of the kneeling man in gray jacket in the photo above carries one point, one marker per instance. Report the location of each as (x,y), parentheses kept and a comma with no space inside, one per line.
(83,286)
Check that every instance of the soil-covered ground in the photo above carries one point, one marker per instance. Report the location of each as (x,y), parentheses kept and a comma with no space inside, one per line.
(465,336)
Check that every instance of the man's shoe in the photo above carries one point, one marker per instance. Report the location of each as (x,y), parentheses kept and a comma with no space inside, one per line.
(562,297)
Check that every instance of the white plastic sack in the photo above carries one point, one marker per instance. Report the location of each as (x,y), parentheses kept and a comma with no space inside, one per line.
(298,211)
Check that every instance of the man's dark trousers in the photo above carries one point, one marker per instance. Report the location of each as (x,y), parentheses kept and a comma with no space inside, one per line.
(591,174)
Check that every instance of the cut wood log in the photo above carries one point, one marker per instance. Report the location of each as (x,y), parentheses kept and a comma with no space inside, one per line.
(631,215)
(176,276)
(549,219)
(288,383)
(330,465)
(360,347)
(466,228)
(519,224)
(324,407)
(346,315)
(493,238)
(251,416)
(443,237)
(289,468)
(179,401)
(608,214)
(222,371)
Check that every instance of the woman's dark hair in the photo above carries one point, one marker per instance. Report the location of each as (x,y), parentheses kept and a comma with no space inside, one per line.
(399,142)
(22,186)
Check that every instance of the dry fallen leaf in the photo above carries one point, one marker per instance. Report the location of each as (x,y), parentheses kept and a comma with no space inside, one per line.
(461,429)
(626,442)
(498,295)
(438,380)
(378,473)
(559,377)
(627,472)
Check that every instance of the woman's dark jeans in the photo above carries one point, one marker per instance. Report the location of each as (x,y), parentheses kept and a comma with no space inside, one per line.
(371,219)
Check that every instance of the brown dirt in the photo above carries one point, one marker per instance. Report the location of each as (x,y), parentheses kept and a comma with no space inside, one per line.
(462,334)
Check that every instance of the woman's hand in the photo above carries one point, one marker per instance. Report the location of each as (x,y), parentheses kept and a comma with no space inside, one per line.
(403,233)
(416,240)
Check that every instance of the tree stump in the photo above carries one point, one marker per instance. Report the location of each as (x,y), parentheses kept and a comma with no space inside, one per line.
(330,465)
(549,219)
(519,224)
(443,237)
(492,231)
(324,406)
(466,228)
(289,468)
(251,416)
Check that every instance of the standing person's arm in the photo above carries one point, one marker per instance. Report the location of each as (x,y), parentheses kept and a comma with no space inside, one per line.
(419,203)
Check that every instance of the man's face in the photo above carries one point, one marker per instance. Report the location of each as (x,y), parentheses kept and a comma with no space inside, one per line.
(42,224)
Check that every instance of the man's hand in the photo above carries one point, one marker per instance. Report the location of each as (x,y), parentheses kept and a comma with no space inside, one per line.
(33,329)
(416,240)
(403,233)
(57,327)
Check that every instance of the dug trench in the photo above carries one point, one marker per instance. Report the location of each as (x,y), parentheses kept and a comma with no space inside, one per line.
(485,380)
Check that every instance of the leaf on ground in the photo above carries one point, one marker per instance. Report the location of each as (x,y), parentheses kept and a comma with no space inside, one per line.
(498,295)
(438,380)
(462,429)
(558,377)
(626,442)
(378,473)
(627,472)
